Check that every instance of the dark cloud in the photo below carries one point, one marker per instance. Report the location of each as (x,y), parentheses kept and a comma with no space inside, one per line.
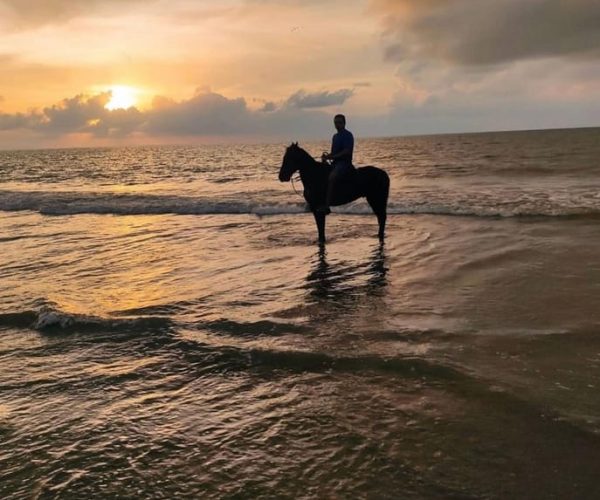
(14,121)
(475,32)
(74,114)
(205,114)
(212,115)
(303,99)
(268,107)
(116,123)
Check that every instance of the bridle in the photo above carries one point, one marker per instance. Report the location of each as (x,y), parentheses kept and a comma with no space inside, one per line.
(298,178)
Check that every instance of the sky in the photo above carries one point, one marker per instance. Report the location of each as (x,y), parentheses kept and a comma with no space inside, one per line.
(127,72)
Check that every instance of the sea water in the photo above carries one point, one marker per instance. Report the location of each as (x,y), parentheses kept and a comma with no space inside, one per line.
(170,328)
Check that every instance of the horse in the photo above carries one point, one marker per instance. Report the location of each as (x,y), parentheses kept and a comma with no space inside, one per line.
(370,182)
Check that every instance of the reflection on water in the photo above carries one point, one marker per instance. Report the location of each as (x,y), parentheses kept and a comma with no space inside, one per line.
(341,279)
(345,294)
(229,357)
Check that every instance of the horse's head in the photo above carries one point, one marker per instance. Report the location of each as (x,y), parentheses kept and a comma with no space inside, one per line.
(290,162)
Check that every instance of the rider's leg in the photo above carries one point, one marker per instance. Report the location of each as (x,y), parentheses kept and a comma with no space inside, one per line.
(330,186)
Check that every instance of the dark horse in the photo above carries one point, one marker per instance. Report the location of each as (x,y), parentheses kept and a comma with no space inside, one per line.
(370,182)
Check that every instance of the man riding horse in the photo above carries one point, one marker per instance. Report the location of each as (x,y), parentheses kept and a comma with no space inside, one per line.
(337,184)
(342,147)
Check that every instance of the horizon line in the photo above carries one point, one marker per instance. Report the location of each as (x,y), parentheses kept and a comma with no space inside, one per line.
(278,142)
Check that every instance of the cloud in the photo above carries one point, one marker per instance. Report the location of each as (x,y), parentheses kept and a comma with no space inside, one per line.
(31,13)
(73,114)
(302,99)
(79,114)
(520,97)
(529,94)
(116,123)
(206,114)
(14,121)
(268,107)
(465,65)
(23,14)
(212,114)
(477,33)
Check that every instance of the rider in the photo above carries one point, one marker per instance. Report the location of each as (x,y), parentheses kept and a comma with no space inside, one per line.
(342,147)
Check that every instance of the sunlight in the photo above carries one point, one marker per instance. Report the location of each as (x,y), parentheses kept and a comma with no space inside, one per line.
(122,97)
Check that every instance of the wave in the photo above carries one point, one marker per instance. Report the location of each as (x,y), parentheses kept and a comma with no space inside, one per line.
(70,203)
(306,361)
(51,319)
(253,328)
(294,360)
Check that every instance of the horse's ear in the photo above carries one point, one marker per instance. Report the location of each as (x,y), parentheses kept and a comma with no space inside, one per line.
(296,144)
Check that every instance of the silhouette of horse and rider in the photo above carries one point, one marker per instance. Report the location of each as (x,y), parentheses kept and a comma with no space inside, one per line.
(335,181)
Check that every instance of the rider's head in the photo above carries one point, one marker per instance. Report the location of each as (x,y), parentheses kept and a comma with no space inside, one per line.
(340,122)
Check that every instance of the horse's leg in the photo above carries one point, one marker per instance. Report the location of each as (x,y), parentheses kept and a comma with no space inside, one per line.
(320,220)
(381,214)
(379,207)
(381,218)
(378,202)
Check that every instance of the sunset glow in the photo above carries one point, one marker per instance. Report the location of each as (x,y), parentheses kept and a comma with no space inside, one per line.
(122,97)
(203,72)
(299,249)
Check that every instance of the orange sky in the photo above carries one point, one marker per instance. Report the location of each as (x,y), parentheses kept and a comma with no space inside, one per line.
(267,51)
(392,66)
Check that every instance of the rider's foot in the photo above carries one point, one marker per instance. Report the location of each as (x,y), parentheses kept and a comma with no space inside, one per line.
(324,210)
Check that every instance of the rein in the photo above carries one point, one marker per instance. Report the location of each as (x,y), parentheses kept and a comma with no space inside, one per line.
(294,185)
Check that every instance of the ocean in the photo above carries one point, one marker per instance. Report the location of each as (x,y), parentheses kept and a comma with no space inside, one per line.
(170,328)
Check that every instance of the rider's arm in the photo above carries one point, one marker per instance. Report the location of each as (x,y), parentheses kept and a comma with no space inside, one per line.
(343,153)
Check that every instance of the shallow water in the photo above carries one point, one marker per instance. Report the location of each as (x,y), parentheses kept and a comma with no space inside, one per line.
(204,354)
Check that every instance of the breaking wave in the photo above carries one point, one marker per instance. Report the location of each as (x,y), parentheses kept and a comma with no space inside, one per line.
(51,319)
(452,204)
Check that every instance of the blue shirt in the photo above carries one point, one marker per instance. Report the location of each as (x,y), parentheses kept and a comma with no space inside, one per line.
(343,140)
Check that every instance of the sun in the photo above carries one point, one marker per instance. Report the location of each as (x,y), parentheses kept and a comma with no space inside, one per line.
(122,97)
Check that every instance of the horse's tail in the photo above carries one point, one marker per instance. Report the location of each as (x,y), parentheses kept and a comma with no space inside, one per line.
(375,184)
(379,189)
(378,198)
(385,187)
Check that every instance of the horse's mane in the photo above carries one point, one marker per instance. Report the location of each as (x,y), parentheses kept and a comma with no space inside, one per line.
(301,153)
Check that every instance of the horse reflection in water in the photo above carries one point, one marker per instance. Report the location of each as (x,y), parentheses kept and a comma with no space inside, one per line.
(340,292)
(345,282)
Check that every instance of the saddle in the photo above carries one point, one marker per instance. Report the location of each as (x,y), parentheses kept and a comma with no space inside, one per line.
(348,175)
